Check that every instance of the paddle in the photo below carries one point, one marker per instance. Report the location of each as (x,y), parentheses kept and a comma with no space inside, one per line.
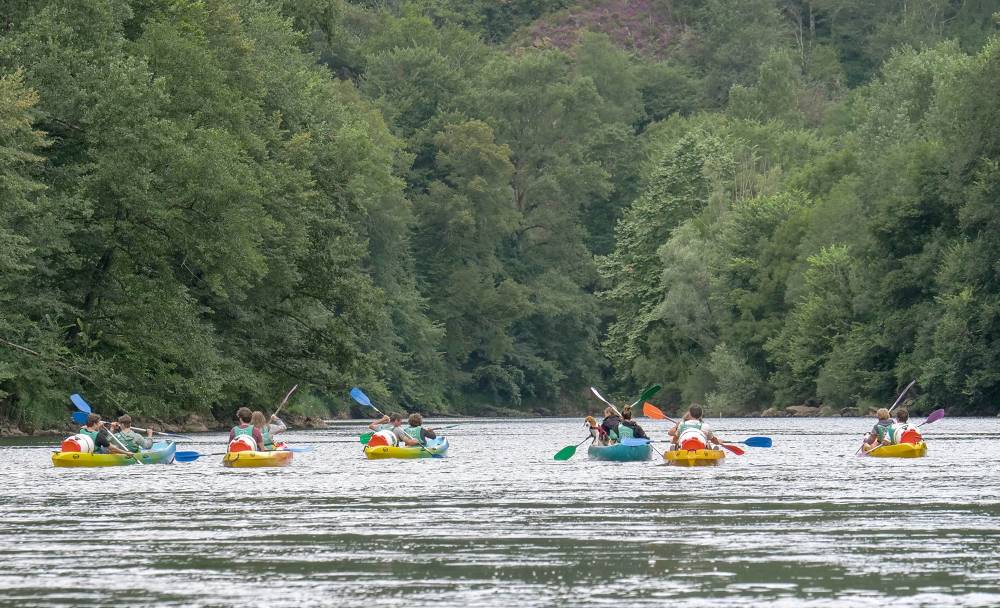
(756,442)
(734,449)
(567,452)
(933,417)
(648,393)
(358,395)
(81,418)
(651,411)
(285,400)
(82,405)
(598,394)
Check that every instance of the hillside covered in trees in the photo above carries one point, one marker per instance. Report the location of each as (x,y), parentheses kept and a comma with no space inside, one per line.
(472,206)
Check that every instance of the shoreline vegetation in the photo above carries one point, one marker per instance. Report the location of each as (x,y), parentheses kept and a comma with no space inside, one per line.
(470,206)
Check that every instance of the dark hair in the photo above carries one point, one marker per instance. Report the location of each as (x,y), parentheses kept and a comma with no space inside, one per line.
(395,416)
(902,415)
(125,420)
(627,412)
(696,411)
(93,419)
(416,420)
(244,414)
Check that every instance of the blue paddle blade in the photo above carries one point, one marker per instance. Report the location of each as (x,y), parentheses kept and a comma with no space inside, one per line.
(187,456)
(633,441)
(80,403)
(358,395)
(80,417)
(305,448)
(758,442)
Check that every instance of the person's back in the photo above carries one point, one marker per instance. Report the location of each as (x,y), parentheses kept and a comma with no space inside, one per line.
(902,431)
(130,439)
(879,433)
(628,428)
(416,433)
(261,426)
(245,429)
(610,423)
(693,433)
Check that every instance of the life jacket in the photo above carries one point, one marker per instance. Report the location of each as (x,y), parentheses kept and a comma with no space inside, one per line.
(268,440)
(690,435)
(881,429)
(904,432)
(243,439)
(416,432)
(624,431)
(93,438)
(128,440)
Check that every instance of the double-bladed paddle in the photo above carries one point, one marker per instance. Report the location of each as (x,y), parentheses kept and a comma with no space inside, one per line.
(191,456)
(894,404)
(84,407)
(285,400)
(81,418)
(358,395)
(567,452)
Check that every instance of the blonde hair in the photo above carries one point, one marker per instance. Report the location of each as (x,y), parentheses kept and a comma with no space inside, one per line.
(258,419)
(882,413)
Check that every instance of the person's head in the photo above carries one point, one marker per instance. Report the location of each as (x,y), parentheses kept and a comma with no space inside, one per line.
(244,414)
(415,420)
(902,415)
(882,413)
(126,421)
(627,412)
(258,420)
(93,420)
(395,419)
(696,411)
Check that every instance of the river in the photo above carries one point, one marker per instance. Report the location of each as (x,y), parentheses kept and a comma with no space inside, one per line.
(500,523)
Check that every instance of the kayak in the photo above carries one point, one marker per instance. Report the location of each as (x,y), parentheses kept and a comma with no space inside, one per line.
(435,448)
(620,452)
(694,458)
(160,453)
(251,459)
(900,450)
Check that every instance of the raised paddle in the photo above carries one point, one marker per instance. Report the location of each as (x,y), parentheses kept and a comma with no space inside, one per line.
(80,403)
(598,394)
(651,411)
(358,395)
(900,398)
(647,394)
(933,417)
(285,400)
(81,418)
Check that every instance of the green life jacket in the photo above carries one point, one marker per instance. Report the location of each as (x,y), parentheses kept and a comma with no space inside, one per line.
(93,437)
(128,441)
(687,425)
(882,430)
(625,432)
(268,440)
(895,432)
(242,430)
(416,432)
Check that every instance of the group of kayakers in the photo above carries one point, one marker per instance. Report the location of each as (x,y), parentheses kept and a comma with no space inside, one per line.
(689,433)
(891,432)
(389,430)
(120,439)
(254,432)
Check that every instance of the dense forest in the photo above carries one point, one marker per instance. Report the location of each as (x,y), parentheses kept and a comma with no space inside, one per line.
(483,206)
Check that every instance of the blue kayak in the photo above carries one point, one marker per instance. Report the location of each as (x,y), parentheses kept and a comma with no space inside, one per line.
(628,451)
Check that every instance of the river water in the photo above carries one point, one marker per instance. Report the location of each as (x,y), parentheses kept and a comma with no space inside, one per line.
(500,523)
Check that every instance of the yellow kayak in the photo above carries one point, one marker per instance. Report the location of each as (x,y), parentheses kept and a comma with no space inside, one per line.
(247,459)
(160,453)
(900,450)
(694,458)
(436,448)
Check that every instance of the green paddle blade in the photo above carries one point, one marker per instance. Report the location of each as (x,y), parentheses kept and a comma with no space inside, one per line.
(365,438)
(566,453)
(649,392)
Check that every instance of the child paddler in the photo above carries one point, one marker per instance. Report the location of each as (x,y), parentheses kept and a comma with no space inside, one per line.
(100,436)
(692,433)
(609,426)
(415,433)
(129,438)
(266,430)
(628,428)
(244,428)
(902,431)
(878,434)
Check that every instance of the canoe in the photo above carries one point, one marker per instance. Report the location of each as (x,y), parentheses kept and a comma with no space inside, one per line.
(435,448)
(620,452)
(900,450)
(251,459)
(694,458)
(161,452)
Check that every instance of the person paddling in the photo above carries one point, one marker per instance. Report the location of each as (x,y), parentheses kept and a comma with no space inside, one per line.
(610,424)
(692,433)
(97,432)
(415,433)
(902,431)
(129,438)
(266,430)
(628,428)
(875,437)
(246,429)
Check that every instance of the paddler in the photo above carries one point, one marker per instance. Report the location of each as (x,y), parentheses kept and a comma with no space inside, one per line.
(266,430)
(609,426)
(902,431)
(97,432)
(877,435)
(415,433)
(628,428)
(244,416)
(692,433)
(129,438)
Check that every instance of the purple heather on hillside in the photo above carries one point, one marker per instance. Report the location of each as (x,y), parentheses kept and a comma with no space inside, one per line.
(641,26)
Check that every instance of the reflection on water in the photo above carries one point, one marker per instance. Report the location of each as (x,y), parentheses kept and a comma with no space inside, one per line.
(499,522)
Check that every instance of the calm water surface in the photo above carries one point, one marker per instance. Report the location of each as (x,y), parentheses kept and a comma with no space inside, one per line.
(499,523)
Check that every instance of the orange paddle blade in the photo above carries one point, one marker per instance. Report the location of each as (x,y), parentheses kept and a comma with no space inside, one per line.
(732,448)
(651,411)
